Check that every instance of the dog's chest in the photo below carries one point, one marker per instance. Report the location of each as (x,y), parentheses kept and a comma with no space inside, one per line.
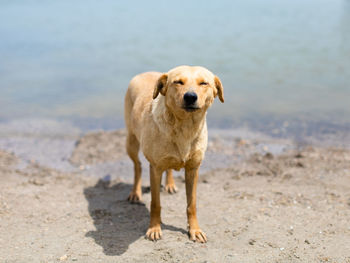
(173,153)
(182,148)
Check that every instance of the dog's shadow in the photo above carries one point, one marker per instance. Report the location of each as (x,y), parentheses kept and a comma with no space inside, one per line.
(118,223)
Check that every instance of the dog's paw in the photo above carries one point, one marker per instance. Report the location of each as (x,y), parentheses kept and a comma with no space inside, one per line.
(134,197)
(171,188)
(197,235)
(154,233)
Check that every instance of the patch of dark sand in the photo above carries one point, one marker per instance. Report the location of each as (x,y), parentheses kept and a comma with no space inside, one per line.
(97,147)
(7,160)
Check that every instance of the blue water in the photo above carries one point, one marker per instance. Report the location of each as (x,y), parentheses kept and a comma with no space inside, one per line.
(278,60)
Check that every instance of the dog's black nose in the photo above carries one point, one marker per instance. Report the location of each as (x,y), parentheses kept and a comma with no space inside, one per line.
(190,97)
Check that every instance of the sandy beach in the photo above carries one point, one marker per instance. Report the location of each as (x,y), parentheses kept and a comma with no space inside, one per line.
(259,200)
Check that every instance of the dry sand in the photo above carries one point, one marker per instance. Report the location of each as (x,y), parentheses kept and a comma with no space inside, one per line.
(258,201)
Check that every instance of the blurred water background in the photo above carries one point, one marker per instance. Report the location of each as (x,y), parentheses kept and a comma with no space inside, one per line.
(285,65)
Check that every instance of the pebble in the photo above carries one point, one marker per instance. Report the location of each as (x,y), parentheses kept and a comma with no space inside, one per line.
(269,156)
(64,258)
(252,242)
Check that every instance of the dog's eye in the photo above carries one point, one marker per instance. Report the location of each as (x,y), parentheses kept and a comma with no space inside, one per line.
(179,82)
(203,83)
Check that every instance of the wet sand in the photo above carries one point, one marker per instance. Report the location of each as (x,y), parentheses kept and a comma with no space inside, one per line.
(63,199)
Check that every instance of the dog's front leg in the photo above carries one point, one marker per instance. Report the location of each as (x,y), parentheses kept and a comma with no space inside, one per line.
(191,177)
(154,231)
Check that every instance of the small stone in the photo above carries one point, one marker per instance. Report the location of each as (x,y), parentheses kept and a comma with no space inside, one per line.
(300,164)
(252,242)
(299,155)
(268,156)
(64,258)
(307,241)
(36,182)
(287,176)
(272,245)
(235,233)
(226,186)
(236,177)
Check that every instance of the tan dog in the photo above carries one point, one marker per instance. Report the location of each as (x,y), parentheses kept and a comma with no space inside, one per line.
(172,132)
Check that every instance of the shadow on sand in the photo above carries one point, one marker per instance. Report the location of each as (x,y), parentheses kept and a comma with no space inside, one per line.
(118,223)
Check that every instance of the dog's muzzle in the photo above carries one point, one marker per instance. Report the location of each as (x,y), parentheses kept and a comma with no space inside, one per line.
(190,99)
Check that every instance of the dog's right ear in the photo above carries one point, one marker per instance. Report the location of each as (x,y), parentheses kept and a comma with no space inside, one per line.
(160,86)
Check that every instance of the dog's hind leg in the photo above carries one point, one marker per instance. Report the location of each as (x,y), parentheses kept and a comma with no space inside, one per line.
(170,186)
(133,147)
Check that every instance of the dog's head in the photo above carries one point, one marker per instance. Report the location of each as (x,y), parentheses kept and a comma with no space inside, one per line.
(189,89)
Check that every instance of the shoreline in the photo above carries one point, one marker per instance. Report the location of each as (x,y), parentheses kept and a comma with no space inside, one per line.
(65,147)
(54,143)
(301,130)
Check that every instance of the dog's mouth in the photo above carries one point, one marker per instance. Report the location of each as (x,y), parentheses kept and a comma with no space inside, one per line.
(190,108)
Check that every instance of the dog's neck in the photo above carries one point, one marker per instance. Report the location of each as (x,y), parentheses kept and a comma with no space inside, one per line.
(188,126)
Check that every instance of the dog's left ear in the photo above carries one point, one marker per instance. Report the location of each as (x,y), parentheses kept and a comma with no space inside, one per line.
(219,89)
(160,86)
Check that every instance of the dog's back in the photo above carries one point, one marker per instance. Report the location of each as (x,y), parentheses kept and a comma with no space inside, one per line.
(137,99)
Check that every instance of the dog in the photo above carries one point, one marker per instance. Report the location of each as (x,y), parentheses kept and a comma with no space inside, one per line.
(165,115)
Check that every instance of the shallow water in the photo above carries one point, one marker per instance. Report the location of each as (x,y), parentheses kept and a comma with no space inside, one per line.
(281,62)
